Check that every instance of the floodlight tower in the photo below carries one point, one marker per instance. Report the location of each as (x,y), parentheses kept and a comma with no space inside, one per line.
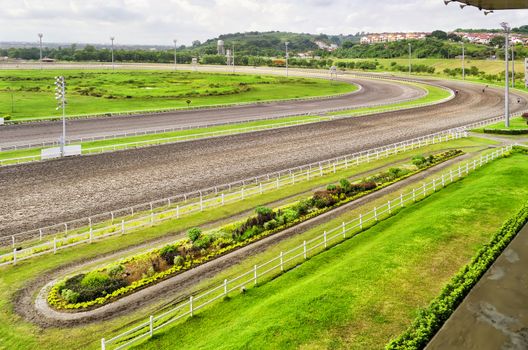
(507,29)
(287,56)
(60,96)
(112,40)
(175,46)
(410,52)
(40,35)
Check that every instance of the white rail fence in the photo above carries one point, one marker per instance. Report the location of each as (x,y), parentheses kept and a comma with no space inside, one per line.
(296,256)
(50,239)
(172,139)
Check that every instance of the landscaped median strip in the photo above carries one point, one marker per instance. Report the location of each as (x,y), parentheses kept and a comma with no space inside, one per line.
(30,244)
(287,260)
(118,279)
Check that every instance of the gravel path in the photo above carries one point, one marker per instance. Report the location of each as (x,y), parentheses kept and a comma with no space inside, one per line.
(34,195)
(177,287)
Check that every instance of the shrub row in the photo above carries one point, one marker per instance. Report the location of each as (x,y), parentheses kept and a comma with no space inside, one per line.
(506,131)
(433,317)
(99,286)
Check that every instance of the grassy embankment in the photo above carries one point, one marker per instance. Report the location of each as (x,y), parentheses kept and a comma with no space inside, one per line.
(30,93)
(16,333)
(363,292)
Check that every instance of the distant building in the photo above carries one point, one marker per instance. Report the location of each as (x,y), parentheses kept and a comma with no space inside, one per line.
(220,47)
(324,46)
(390,37)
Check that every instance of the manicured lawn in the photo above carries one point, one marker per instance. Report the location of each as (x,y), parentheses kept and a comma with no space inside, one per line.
(30,93)
(433,94)
(16,333)
(515,124)
(363,292)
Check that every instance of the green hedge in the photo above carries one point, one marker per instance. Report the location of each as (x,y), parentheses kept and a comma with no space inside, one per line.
(431,319)
(506,131)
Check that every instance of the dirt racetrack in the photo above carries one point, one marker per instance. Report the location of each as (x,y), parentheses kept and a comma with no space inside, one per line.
(34,195)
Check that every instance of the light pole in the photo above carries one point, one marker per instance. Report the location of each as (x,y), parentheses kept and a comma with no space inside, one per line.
(60,96)
(410,52)
(40,35)
(112,40)
(175,45)
(463,59)
(506,28)
(286,44)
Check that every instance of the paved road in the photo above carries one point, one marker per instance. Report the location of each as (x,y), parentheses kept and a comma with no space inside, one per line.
(37,194)
(373,92)
(494,315)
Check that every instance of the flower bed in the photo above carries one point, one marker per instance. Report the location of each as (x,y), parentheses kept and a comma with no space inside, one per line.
(100,286)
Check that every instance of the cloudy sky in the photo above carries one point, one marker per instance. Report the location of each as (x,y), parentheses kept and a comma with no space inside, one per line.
(159,22)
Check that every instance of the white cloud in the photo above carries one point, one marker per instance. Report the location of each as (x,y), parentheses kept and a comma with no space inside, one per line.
(158,22)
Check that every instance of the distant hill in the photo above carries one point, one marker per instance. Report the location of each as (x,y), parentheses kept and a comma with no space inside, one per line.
(272,43)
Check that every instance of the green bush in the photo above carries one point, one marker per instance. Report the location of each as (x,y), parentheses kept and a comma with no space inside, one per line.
(194,233)
(270,225)
(116,270)
(70,296)
(95,279)
(419,161)
(168,253)
(203,242)
(178,260)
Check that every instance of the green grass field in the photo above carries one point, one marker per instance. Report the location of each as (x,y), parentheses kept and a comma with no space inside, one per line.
(363,292)
(30,93)
(16,333)
(515,124)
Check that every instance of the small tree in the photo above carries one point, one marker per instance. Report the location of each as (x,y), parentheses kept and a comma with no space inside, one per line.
(525,117)
(194,233)
(188,103)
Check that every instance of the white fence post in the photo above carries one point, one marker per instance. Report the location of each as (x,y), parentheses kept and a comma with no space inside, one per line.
(255,273)
(304,248)
(103,344)
(324,238)
(14,256)
(389,207)
(360,221)
(91,235)
(12,241)
(123,226)
(191,305)
(344,229)
(375,213)
(281,261)
(414,195)
(40,234)
(151,323)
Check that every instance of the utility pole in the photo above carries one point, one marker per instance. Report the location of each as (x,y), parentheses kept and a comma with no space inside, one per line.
(60,96)
(463,62)
(286,43)
(506,28)
(410,52)
(40,40)
(112,40)
(175,46)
